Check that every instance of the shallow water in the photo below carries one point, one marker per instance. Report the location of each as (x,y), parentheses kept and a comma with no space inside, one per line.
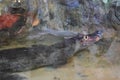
(77,69)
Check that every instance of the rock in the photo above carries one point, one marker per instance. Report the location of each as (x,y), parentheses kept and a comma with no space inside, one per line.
(113,53)
(109,33)
(113,16)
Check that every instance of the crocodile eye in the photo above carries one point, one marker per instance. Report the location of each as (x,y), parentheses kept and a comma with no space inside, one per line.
(85,37)
(19,1)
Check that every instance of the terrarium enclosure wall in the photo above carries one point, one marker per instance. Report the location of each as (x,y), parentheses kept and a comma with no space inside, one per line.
(70,15)
(84,16)
(54,39)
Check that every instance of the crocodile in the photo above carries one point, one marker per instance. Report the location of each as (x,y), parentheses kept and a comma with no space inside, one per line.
(36,56)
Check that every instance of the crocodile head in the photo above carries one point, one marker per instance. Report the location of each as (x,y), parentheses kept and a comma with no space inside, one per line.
(83,41)
(91,38)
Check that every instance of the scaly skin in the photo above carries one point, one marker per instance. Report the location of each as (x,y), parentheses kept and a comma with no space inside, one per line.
(36,56)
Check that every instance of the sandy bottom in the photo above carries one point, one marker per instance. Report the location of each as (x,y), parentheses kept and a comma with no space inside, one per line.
(77,70)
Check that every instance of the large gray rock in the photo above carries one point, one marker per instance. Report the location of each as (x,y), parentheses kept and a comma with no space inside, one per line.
(113,53)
